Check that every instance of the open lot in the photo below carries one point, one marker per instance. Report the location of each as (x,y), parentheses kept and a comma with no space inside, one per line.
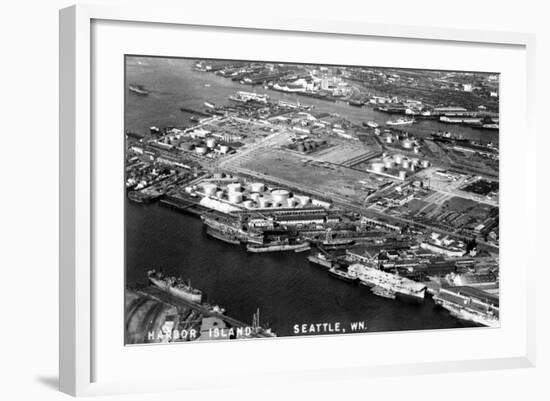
(481,187)
(323,177)
(452,213)
(346,153)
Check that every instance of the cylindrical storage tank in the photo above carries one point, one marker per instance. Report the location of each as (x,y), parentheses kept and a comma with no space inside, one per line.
(413,167)
(416,149)
(425,163)
(257,187)
(224,149)
(291,202)
(209,188)
(219,194)
(377,167)
(389,139)
(398,159)
(235,197)
(255,197)
(304,200)
(388,163)
(280,195)
(407,144)
(415,162)
(264,202)
(406,163)
(210,142)
(402,175)
(201,150)
(248,204)
(234,187)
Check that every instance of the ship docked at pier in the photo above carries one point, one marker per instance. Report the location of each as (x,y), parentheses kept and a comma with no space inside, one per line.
(228,229)
(385,283)
(175,286)
(320,258)
(243,97)
(468,304)
(278,246)
(400,121)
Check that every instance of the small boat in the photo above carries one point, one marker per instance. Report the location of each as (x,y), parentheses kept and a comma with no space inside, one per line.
(138,89)
(371,124)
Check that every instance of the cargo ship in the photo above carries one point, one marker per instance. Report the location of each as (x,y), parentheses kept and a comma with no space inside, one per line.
(278,247)
(342,274)
(462,304)
(330,242)
(400,121)
(243,97)
(319,258)
(228,230)
(338,243)
(138,89)
(221,230)
(141,197)
(223,236)
(373,277)
(483,318)
(175,286)
(383,292)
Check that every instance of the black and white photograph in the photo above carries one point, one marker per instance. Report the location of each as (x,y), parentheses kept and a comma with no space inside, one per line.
(267,199)
(297,200)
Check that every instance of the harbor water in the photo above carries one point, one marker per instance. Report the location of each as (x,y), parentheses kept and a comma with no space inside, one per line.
(175,84)
(285,286)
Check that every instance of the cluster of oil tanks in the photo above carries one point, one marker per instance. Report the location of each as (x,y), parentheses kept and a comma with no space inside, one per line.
(308,145)
(407,143)
(254,195)
(203,147)
(400,163)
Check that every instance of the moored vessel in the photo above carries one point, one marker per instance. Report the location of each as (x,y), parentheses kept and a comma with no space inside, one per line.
(371,124)
(383,292)
(342,274)
(244,97)
(400,121)
(257,248)
(468,304)
(319,258)
(401,286)
(175,286)
(223,236)
(138,89)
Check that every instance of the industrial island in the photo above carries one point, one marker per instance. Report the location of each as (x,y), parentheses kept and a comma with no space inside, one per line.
(410,215)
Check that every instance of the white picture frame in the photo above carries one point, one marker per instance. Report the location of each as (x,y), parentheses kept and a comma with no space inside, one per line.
(78,349)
